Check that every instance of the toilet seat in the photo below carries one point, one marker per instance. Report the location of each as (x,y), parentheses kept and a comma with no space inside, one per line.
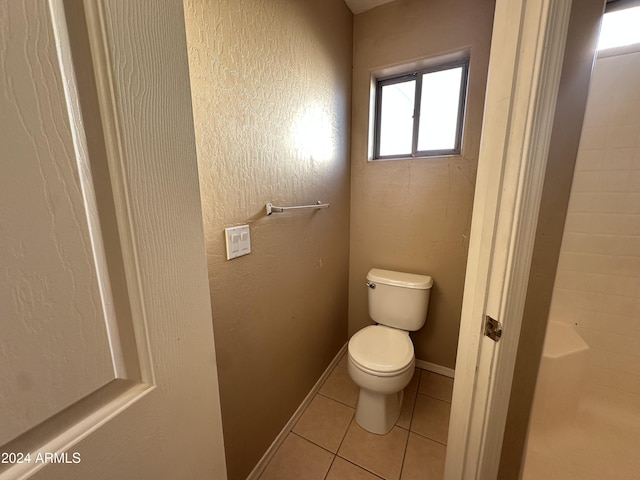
(381,350)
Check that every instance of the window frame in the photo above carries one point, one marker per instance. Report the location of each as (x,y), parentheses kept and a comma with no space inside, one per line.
(416,74)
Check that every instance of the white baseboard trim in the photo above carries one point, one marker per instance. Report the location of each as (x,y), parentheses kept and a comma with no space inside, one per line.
(432,367)
(268,455)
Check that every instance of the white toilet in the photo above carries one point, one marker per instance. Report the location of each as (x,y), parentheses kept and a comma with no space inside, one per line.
(381,358)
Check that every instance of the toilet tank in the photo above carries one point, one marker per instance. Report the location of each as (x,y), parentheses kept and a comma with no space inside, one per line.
(398,299)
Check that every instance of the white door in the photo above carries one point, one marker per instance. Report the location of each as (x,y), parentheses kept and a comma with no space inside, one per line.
(107,361)
(524,71)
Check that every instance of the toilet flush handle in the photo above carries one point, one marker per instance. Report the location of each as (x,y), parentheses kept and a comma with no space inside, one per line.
(371,285)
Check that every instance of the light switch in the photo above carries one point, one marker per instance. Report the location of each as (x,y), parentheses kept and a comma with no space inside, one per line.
(235,243)
(238,241)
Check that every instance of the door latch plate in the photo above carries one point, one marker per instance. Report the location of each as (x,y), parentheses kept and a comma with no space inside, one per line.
(492,328)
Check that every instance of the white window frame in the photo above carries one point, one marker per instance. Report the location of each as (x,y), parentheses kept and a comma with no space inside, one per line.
(416,74)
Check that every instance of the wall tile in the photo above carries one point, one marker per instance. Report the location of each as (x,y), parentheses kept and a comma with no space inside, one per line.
(588,222)
(598,279)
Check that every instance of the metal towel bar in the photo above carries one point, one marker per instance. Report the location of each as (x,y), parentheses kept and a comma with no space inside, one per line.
(272,208)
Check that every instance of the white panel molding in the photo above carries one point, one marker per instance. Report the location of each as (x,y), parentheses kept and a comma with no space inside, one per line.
(63,48)
(75,423)
(64,430)
(120,183)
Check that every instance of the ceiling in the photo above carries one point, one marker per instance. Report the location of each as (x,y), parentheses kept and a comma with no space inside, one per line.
(359,6)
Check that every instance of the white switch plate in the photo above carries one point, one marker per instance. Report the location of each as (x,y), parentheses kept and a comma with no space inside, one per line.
(238,241)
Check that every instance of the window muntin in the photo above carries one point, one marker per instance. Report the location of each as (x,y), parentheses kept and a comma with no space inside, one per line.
(420,114)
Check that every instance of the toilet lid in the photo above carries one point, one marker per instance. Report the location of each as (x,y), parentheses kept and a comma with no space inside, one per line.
(381,349)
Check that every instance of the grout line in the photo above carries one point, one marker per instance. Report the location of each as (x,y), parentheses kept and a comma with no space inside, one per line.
(341,440)
(412,416)
(601,255)
(353,420)
(408,430)
(329,469)
(434,397)
(362,468)
(335,454)
(429,438)
(312,442)
(336,400)
(404,453)
(413,410)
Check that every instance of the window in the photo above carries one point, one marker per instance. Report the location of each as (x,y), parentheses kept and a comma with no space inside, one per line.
(420,114)
(620,28)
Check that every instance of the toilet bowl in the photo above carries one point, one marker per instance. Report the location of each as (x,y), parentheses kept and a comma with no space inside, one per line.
(381,358)
(381,362)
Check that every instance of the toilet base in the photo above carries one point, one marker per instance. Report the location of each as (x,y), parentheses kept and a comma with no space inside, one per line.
(377,412)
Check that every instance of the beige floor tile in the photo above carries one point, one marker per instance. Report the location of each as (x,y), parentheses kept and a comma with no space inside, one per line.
(415,380)
(343,470)
(436,385)
(340,387)
(380,454)
(344,361)
(431,418)
(408,402)
(324,422)
(298,458)
(423,460)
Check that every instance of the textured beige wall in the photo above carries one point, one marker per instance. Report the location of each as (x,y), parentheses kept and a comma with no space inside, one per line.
(572,98)
(271,82)
(415,215)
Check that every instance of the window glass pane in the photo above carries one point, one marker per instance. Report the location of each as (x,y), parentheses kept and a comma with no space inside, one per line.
(439,109)
(396,120)
(620,28)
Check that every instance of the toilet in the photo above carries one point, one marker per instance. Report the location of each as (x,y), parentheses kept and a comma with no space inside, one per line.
(381,359)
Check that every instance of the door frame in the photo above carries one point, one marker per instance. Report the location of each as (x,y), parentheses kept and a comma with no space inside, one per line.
(527,51)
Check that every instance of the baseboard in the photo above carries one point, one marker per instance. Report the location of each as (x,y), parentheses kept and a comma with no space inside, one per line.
(268,455)
(432,367)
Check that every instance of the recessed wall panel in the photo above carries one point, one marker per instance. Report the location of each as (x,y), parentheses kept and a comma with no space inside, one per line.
(54,347)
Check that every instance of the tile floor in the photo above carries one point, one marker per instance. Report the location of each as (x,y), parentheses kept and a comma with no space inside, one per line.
(327,444)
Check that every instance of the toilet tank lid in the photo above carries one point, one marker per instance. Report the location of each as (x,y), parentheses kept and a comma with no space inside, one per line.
(400,279)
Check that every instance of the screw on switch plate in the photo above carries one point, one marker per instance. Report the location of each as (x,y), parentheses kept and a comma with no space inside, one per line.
(238,241)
